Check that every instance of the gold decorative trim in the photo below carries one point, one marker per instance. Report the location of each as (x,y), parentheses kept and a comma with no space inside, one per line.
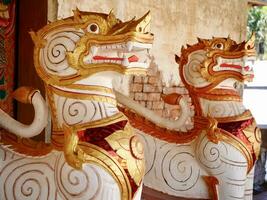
(82,96)
(24,94)
(239,145)
(212,130)
(24,146)
(212,182)
(77,153)
(52,105)
(91,88)
(102,122)
(178,137)
(58,134)
(94,154)
(244,116)
(129,147)
(222,95)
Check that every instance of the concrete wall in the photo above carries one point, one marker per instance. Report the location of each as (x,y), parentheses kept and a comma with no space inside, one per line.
(174,22)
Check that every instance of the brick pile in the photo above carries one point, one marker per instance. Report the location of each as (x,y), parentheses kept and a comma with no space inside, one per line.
(147,90)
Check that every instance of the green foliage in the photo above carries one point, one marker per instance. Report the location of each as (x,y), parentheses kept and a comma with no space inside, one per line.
(257,22)
(6,2)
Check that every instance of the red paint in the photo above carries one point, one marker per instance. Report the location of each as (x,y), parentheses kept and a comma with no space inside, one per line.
(106,58)
(132,58)
(231,66)
(246,68)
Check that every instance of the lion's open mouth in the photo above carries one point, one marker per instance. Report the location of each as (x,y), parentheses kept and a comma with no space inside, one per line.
(236,65)
(130,54)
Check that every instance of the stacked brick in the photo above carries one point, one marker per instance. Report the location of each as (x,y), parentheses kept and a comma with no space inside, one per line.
(147,90)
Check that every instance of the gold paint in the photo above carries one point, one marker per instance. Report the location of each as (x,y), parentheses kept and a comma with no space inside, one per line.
(94,154)
(78,153)
(24,146)
(250,45)
(82,96)
(239,145)
(212,130)
(229,49)
(4,11)
(24,94)
(253,135)
(244,116)
(102,122)
(71,147)
(38,41)
(128,146)
(220,95)
(212,183)
(52,106)
(111,31)
(177,137)
(91,88)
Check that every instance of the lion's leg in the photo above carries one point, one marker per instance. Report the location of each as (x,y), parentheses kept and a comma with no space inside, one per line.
(249,185)
(232,184)
(226,164)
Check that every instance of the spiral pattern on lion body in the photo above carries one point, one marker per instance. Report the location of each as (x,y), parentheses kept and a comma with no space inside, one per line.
(53,56)
(50,177)
(74,111)
(182,174)
(27,178)
(77,111)
(81,184)
(210,154)
(192,72)
(172,168)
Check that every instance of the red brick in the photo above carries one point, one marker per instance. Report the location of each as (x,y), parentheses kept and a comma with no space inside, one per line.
(138,79)
(131,79)
(143,103)
(152,71)
(145,79)
(149,88)
(157,105)
(149,104)
(153,80)
(153,96)
(136,87)
(138,96)
(152,88)
(131,95)
(179,90)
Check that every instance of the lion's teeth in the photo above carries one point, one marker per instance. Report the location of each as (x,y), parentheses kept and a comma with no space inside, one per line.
(94,50)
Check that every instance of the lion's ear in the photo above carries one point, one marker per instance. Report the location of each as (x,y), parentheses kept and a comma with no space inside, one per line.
(77,15)
(111,18)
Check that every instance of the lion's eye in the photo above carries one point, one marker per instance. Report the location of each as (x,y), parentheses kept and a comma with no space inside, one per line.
(218,46)
(93,28)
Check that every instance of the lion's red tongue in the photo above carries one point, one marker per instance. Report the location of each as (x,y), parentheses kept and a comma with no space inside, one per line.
(230,66)
(132,58)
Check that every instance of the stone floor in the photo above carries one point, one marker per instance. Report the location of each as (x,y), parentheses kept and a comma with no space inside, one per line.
(261,196)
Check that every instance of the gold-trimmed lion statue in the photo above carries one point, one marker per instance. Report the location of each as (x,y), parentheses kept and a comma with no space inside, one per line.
(94,153)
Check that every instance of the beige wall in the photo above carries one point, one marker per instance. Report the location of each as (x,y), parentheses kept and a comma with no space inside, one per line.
(174,22)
